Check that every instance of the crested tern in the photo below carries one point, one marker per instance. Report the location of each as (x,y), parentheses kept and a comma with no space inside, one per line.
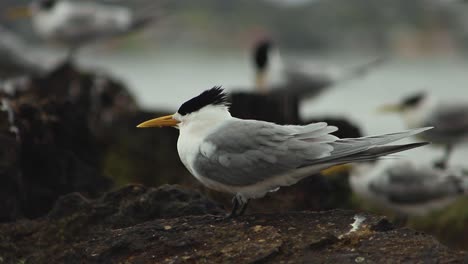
(76,23)
(272,75)
(249,158)
(408,188)
(449,119)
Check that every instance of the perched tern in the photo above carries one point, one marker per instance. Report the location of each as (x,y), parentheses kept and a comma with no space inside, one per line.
(274,76)
(407,188)
(449,119)
(249,158)
(76,23)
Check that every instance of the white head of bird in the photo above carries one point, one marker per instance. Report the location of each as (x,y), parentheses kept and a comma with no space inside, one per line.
(195,119)
(197,114)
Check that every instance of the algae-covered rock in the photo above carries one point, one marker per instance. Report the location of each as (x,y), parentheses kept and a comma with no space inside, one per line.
(51,127)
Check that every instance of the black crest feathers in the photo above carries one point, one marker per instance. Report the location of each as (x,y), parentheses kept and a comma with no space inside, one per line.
(260,54)
(213,96)
(413,100)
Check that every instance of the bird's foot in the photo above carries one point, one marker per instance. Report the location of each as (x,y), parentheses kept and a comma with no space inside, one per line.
(239,204)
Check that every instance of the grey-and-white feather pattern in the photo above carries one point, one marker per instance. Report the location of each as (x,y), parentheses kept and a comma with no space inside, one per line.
(255,151)
(261,150)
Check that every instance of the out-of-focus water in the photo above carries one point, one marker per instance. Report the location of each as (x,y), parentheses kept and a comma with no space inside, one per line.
(163,79)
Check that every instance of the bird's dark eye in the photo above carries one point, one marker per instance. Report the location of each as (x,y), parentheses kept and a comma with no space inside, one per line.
(46,4)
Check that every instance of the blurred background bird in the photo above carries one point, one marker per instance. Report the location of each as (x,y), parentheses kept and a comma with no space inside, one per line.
(77,23)
(408,188)
(449,119)
(273,75)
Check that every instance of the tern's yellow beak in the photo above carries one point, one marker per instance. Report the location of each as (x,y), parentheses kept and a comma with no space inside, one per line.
(337,169)
(17,12)
(160,122)
(390,108)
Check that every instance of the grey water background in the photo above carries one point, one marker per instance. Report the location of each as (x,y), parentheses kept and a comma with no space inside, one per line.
(164,78)
(196,45)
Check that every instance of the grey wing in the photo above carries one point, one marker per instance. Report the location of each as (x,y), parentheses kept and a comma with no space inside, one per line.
(245,152)
(450,122)
(413,185)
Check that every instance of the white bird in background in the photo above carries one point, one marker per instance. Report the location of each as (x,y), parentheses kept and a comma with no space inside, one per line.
(273,76)
(407,188)
(249,158)
(76,23)
(449,119)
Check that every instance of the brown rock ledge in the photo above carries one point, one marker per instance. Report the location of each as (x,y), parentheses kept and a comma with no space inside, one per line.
(146,225)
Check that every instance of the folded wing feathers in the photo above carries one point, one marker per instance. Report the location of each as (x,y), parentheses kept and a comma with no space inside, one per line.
(316,133)
(345,147)
(364,148)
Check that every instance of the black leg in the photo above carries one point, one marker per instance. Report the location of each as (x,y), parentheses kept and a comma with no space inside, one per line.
(243,207)
(235,205)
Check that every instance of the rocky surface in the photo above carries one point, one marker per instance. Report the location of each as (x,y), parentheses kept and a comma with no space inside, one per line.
(54,128)
(49,151)
(75,219)
(146,225)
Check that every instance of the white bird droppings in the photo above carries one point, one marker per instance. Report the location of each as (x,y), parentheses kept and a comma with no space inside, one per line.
(358,220)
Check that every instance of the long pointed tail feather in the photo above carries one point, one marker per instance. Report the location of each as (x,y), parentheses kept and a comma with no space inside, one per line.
(376,152)
(349,146)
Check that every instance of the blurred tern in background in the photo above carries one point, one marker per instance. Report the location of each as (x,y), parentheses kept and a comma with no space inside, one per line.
(272,76)
(449,119)
(76,23)
(249,158)
(407,188)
